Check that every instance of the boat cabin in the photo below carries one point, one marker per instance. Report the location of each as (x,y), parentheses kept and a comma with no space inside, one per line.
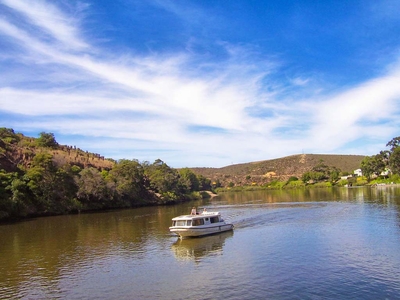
(197,220)
(194,225)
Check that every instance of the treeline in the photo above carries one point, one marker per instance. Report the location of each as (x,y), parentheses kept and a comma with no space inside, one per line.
(43,186)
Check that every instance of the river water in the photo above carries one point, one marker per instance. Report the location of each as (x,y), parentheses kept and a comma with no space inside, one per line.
(334,243)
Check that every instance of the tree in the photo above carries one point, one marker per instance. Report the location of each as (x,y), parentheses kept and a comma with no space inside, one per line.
(394,143)
(21,197)
(5,193)
(40,178)
(130,181)
(93,191)
(8,135)
(47,140)
(321,167)
(188,180)
(394,161)
(373,165)
(204,183)
(306,177)
(53,188)
(313,176)
(162,178)
(334,175)
(321,172)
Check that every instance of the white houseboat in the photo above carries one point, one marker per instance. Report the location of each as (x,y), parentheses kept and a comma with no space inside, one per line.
(195,224)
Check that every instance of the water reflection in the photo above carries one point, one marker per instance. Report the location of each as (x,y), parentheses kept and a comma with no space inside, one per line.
(197,248)
(283,240)
(389,194)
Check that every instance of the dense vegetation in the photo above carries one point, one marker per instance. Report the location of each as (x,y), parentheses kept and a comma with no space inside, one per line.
(38,181)
(40,177)
(384,164)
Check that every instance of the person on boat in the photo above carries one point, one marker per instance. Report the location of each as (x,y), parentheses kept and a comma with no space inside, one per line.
(204,210)
(193,212)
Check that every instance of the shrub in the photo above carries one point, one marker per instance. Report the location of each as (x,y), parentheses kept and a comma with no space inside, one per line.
(292,178)
(342,182)
(276,184)
(295,184)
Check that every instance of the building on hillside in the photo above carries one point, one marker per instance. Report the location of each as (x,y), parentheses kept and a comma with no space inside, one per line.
(386,172)
(358,172)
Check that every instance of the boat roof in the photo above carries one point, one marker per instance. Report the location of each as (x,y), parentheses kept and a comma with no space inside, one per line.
(199,216)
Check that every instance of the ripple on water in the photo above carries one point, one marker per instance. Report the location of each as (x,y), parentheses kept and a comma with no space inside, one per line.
(281,250)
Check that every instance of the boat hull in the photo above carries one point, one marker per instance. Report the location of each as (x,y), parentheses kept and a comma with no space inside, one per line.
(184,231)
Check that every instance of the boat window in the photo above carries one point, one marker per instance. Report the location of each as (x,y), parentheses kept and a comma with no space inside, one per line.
(181,223)
(214,220)
(198,222)
(189,223)
(173,223)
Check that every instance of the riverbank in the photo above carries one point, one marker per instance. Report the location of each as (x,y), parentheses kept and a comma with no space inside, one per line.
(298,184)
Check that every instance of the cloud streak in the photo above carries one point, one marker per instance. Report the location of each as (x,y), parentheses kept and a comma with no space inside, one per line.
(50,21)
(173,107)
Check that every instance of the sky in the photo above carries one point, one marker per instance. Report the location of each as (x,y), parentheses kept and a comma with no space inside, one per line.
(205,83)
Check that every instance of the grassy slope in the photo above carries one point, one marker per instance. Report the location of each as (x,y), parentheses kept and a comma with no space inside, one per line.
(281,168)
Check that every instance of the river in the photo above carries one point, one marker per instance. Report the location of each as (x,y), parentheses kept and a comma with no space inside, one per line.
(338,243)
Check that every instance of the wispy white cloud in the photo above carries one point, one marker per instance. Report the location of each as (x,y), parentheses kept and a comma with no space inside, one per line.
(51,20)
(361,111)
(175,107)
(300,81)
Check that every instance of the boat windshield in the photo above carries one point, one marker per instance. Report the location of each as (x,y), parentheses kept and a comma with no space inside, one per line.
(182,223)
(197,222)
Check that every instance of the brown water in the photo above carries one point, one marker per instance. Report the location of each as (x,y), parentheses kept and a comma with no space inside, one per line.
(301,244)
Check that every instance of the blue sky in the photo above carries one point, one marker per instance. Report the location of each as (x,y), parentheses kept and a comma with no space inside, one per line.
(203,83)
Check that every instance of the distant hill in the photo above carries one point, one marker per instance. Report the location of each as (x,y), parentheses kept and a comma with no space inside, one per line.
(277,169)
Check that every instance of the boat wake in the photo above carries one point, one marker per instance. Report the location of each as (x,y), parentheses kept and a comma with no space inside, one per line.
(254,215)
